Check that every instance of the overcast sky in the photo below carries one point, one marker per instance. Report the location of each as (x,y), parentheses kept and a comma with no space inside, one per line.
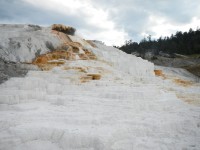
(111,21)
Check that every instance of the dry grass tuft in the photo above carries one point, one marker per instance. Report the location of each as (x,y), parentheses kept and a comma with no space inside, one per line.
(62,28)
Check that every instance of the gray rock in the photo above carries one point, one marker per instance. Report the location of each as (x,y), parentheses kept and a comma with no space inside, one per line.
(21,43)
(12,69)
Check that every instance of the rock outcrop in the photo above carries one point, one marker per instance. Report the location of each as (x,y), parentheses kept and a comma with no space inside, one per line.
(22,43)
(12,69)
(47,46)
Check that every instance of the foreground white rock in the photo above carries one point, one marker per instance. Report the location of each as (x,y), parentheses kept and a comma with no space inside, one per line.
(128,108)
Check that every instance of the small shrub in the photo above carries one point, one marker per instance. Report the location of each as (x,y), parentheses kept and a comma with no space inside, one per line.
(50,46)
(154,58)
(64,29)
(37,53)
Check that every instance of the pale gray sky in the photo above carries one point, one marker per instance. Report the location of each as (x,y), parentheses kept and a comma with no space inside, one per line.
(111,21)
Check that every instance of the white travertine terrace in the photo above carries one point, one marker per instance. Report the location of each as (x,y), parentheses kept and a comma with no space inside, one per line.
(127,108)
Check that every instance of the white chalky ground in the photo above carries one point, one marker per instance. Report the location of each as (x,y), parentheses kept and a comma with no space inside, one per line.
(127,109)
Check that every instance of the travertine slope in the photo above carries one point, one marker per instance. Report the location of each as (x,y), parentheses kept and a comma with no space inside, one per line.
(88,96)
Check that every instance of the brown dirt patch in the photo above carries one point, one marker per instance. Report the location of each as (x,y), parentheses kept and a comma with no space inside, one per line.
(67,51)
(80,69)
(52,59)
(193,99)
(90,54)
(74,44)
(89,77)
(184,83)
(62,36)
(94,76)
(159,73)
